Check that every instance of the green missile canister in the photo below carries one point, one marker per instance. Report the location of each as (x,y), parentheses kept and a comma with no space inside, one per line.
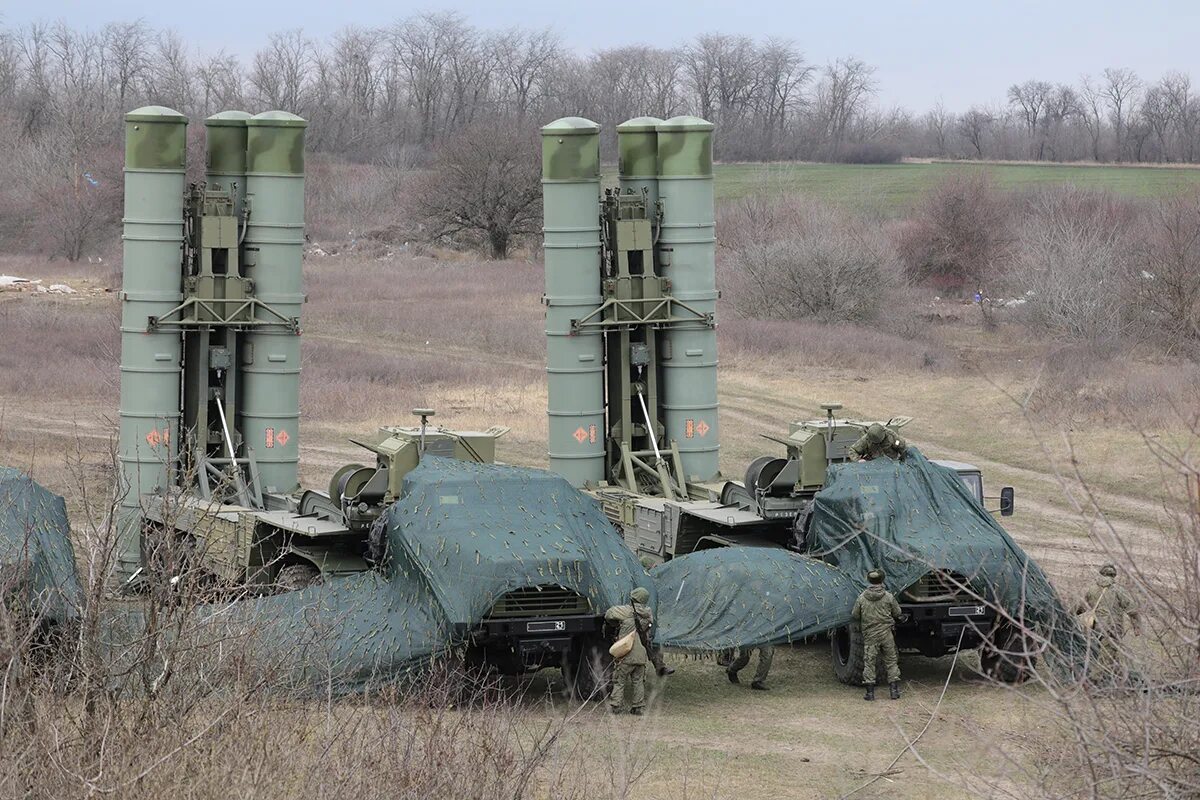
(225,149)
(688,243)
(155,160)
(637,150)
(274,247)
(574,360)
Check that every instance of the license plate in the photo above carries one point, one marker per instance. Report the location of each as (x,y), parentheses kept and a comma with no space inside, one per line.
(968,611)
(546,626)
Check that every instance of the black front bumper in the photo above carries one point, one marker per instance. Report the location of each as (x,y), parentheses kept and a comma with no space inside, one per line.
(934,629)
(524,644)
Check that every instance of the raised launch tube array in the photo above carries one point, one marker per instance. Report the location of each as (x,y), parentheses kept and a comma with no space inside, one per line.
(631,305)
(210,313)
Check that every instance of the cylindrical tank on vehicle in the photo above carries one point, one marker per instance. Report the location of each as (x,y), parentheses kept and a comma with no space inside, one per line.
(225,145)
(637,154)
(155,160)
(574,360)
(688,256)
(274,250)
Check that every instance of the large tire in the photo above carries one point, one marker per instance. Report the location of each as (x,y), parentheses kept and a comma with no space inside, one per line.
(846,649)
(1001,655)
(588,670)
(294,577)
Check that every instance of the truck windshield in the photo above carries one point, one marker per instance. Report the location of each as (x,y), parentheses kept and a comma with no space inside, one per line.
(974,483)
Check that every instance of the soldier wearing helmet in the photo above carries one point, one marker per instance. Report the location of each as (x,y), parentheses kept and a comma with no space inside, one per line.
(879,440)
(876,612)
(629,673)
(1104,609)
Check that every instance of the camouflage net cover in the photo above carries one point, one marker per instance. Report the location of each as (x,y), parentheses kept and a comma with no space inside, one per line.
(37,561)
(906,517)
(463,535)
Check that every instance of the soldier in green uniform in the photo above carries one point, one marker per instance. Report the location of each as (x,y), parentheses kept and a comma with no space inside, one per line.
(656,653)
(629,674)
(879,440)
(1105,606)
(876,612)
(765,655)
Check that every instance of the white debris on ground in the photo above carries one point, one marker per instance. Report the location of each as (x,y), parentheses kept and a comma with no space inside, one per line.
(13,283)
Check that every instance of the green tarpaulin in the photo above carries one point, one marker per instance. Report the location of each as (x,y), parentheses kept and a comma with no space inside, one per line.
(463,535)
(37,562)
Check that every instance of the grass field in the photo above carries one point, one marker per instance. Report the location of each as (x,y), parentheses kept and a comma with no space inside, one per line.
(892,188)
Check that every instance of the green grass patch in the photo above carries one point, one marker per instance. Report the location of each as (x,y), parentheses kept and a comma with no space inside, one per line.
(893,188)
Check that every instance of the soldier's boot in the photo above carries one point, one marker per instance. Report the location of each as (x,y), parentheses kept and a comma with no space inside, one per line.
(870,695)
(895,690)
(732,675)
(665,670)
(760,686)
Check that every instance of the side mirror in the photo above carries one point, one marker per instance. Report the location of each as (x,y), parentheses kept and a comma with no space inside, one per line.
(1008,498)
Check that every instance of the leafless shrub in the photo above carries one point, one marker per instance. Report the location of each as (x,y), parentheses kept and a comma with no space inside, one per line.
(959,237)
(796,259)
(484,184)
(1070,258)
(1166,272)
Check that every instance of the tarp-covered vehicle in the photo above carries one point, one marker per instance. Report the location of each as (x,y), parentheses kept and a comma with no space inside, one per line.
(489,566)
(37,563)
(960,578)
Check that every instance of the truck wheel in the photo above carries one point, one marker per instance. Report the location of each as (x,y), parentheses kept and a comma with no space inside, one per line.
(1001,655)
(294,577)
(588,671)
(846,647)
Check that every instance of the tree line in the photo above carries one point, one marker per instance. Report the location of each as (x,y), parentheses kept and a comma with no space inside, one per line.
(395,91)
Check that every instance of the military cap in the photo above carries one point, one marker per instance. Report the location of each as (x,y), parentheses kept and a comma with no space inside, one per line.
(876,433)
(640,595)
(1109,570)
(875,576)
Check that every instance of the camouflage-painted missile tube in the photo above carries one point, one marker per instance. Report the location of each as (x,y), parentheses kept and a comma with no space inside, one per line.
(274,247)
(225,145)
(637,152)
(574,362)
(155,159)
(689,389)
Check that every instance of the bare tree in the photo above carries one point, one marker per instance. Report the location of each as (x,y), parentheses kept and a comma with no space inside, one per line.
(127,51)
(1120,89)
(1184,112)
(973,126)
(524,59)
(1091,113)
(484,183)
(845,88)
(281,71)
(1031,99)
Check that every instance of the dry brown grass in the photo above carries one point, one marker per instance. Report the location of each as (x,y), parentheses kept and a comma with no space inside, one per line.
(367,363)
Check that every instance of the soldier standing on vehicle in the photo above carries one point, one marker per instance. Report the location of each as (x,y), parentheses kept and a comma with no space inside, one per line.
(1104,609)
(765,655)
(879,440)
(876,612)
(629,674)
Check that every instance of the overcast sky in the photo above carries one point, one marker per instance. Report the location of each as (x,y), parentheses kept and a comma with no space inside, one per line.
(961,52)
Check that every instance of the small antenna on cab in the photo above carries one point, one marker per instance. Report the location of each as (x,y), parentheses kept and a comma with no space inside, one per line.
(424,414)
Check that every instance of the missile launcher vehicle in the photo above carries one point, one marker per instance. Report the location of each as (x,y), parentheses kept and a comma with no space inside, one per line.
(209,444)
(631,321)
